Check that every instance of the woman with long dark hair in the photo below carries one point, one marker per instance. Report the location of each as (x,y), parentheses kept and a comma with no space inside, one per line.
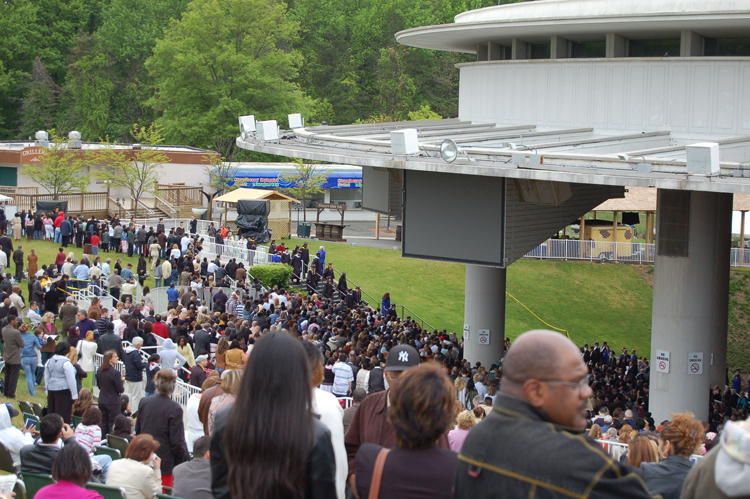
(109,381)
(268,446)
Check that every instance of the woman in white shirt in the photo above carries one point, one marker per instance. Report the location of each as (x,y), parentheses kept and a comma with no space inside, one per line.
(194,429)
(87,348)
(140,472)
(175,253)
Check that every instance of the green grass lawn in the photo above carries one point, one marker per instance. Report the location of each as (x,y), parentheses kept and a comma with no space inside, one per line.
(22,393)
(593,301)
(47,252)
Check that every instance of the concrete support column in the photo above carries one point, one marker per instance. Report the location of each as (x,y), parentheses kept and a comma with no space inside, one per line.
(484,310)
(691,299)
(519,50)
(558,48)
(691,44)
(617,46)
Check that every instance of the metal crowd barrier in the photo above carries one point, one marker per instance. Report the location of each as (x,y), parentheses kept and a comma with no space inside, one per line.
(182,392)
(603,251)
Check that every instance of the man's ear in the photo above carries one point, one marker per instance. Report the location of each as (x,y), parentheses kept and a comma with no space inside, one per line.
(207,455)
(534,393)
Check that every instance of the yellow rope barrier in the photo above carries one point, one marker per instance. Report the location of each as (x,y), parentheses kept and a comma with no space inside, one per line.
(539,318)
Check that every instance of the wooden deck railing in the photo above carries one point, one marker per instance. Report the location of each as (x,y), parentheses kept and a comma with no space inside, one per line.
(83,203)
(177,196)
(12,191)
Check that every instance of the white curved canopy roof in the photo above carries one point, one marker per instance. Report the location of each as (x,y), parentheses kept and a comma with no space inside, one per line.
(583,20)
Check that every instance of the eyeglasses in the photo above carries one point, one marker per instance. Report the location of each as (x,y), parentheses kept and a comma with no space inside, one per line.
(580,384)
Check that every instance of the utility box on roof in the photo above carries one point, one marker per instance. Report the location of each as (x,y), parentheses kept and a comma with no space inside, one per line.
(404,142)
(703,158)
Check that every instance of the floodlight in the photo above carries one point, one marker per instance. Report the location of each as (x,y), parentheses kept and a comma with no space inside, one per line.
(448,151)
(512,145)
(296,121)
(41,135)
(247,126)
(515,146)
(623,157)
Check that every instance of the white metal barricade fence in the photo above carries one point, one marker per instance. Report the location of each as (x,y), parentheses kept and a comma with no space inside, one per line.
(182,392)
(602,251)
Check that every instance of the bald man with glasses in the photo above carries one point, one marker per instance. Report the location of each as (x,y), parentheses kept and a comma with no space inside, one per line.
(532,444)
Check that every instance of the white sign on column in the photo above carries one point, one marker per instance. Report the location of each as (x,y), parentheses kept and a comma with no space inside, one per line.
(466,332)
(484,336)
(695,363)
(662,361)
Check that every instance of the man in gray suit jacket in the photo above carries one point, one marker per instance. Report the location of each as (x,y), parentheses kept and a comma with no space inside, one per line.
(12,355)
(192,479)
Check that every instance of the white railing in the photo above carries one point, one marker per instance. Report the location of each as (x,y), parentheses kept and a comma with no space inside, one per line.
(230,248)
(601,251)
(616,450)
(143,205)
(182,392)
(173,223)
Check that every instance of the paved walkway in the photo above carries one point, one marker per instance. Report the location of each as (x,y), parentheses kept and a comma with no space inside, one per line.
(363,234)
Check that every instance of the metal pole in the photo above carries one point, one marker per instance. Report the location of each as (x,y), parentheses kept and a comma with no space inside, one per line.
(614,234)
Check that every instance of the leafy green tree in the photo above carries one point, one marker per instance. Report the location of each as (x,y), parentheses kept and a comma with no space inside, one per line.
(60,170)
(223,59)
(424,114)
(138,169)
(305,180)
(91,87)
(18,39)
(39,105)
(221,173)
(129,32)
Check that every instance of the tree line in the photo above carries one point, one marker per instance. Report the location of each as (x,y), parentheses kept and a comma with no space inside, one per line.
(192,67)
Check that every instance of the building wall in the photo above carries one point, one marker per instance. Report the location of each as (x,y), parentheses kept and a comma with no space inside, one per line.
(688,95)
(172,173)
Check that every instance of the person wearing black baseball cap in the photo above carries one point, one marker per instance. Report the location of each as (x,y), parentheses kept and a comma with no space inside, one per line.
(370,423)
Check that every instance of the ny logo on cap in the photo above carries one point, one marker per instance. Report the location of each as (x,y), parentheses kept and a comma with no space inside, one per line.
(403,356)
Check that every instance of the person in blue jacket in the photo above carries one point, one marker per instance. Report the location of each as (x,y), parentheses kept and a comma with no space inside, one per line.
(28,356)
(66,231)
(322,258)
(386,304)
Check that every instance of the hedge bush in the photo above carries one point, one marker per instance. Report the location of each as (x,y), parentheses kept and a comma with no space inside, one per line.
(272,274)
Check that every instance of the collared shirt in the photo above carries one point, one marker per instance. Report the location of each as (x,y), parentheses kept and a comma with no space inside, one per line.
(344,376)
(81,272)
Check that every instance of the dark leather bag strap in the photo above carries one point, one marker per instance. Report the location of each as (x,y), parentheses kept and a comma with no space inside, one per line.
(377,473)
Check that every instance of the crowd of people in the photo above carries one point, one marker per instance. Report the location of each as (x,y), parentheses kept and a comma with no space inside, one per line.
(423,422)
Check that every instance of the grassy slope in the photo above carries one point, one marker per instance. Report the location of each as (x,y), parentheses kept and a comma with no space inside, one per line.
(738,354)
(592,301)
